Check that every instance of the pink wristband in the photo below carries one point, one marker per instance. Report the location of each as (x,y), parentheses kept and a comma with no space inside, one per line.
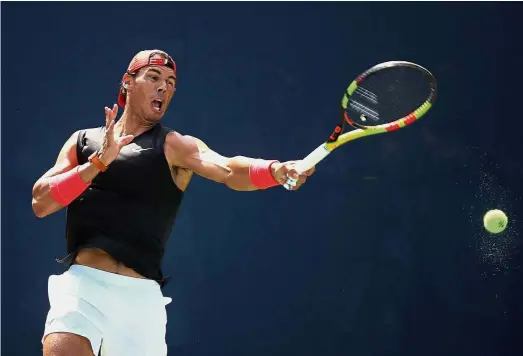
(67,186)
(260,174)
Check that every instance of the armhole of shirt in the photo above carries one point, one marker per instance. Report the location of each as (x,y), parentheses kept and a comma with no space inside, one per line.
(159,142)
(80,146)
(160,139)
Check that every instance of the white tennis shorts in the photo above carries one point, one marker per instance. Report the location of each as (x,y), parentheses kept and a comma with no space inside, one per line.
(119,315)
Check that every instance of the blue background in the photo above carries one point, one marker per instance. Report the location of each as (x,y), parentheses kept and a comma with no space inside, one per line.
(381,253)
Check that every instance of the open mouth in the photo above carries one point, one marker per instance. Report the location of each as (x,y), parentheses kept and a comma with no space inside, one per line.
(157,105)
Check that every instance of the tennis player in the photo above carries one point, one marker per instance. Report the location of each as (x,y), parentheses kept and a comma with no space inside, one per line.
(122,184)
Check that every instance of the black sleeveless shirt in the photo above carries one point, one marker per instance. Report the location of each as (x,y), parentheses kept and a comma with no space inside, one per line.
(129,210)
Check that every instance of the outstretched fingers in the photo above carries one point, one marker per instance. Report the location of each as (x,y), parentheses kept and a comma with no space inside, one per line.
(110,115)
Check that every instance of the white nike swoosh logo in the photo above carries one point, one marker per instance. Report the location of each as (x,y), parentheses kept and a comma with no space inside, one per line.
(141,149)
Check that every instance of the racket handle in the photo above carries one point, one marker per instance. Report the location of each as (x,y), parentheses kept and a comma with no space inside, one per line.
(307,163)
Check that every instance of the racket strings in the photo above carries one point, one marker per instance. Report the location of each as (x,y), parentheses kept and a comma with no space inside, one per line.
(388,95)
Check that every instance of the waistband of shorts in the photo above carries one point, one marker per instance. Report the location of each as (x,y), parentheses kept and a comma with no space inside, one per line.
(113,278)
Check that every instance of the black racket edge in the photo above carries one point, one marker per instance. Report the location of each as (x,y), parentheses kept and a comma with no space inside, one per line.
(340,128)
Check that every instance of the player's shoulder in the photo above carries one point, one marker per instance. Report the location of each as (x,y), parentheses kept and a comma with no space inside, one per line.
(181,144)
(82,132)
(91,133)
(95,129)
(91,130)
(176,137)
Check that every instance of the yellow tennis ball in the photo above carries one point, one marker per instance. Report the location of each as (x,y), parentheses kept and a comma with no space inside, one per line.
(495,221)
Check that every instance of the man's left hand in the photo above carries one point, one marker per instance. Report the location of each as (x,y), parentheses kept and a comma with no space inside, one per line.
(282,171)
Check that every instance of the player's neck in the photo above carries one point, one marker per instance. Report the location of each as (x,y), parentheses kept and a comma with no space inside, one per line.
(132,124)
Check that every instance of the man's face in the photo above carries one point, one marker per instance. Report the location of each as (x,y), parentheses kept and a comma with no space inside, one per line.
(151,92)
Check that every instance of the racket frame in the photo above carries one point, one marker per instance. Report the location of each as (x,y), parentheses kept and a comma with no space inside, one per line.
(339,137)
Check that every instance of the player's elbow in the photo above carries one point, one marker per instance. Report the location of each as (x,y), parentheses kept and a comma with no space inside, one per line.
(38,209)
(40,203)
(36,204)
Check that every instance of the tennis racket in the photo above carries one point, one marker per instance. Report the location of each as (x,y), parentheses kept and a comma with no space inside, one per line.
(387,97)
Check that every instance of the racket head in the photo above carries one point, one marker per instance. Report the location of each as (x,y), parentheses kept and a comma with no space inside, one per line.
(388,96)
(392,94)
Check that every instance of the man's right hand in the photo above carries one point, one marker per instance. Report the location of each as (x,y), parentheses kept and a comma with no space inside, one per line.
(43,203)
(112,145)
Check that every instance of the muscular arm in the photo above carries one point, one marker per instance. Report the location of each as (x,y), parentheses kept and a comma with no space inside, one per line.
(191,153)
(43,203)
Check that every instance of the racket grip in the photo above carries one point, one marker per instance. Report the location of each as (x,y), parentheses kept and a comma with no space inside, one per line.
(307,163)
